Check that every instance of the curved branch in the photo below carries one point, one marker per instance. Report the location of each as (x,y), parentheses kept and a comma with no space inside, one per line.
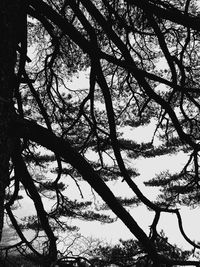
(171,14)
(24,176)
(163,46)
(62,147)
(19,232)
(40,135)
(43,8)
(183,232)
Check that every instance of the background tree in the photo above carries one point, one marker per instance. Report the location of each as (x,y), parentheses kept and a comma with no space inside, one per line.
(131,253)
(123,44)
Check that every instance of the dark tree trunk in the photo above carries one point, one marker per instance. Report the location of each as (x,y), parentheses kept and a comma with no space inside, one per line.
(9,35)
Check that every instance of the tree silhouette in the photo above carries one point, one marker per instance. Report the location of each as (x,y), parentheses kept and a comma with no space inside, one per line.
(131,253)
(123,44)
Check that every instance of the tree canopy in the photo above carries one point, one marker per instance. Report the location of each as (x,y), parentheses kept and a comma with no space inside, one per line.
(142,57)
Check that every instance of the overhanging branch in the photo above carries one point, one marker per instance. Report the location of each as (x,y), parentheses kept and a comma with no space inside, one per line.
(40,135)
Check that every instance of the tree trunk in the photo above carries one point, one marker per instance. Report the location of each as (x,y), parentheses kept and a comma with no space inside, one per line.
(9,29)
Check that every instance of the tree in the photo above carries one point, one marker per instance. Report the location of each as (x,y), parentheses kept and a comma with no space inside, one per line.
(131,253)
(122,43)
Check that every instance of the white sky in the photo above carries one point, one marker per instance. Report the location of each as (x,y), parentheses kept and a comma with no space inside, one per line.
(147,169)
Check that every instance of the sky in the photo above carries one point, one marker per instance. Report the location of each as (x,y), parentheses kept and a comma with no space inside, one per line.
(147,168)
(111,233)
